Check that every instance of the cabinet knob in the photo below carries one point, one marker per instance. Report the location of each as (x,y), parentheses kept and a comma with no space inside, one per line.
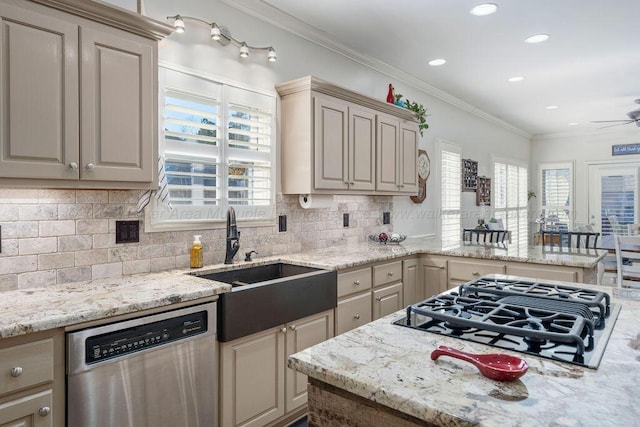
(283,330)
(356,282)
(357,316)
(292,327)
(16,372)
(378,299)
(91,166)
(352,183)
(475,273)
(73,166)
(390,273)
(441,267)
(44,411)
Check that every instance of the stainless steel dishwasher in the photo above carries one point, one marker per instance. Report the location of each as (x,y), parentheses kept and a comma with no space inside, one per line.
(157,370)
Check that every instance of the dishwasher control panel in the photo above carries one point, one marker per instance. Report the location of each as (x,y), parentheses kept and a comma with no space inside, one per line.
(125,341)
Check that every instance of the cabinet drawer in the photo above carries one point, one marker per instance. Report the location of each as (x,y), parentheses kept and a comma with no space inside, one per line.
(387,273)
(565,274)
(26,365)
(465,271)
(353,312)
(354,281)
(32,410)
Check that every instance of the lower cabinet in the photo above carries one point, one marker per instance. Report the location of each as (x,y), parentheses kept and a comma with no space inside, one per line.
(565,274)
(353,312)
(433,276)
(256,387)
(32,380)
(412,290)
(463,271)
(387,300)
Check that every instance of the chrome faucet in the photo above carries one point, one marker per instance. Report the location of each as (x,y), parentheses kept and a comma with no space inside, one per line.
(233,237)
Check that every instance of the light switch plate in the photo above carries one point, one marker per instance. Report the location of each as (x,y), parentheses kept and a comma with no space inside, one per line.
(127,231)
(386,217)
(345,219)
(282,223)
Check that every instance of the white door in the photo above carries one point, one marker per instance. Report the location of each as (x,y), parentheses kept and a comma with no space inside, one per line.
(613,195)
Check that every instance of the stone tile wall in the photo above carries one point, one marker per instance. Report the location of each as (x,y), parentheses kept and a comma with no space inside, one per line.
(59,236)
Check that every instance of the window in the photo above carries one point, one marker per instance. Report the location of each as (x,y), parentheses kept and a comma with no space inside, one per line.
(451,182)
(510,198)
(217,141)
(556,182)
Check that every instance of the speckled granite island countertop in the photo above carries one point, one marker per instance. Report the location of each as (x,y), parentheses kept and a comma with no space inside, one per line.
(350,256)
(391,365)
(39,309)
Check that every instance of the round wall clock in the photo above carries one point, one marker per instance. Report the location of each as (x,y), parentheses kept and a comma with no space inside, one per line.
(424,170)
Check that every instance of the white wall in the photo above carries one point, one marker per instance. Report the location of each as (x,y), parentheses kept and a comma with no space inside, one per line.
(581,150)
(298,57)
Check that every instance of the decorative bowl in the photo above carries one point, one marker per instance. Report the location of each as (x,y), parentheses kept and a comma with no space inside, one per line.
(391,238)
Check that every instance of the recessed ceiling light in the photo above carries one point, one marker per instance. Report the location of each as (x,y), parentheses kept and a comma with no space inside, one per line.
(484,9)
(573,124)
(551,107)
(537,38)
(515,79)
(436,62)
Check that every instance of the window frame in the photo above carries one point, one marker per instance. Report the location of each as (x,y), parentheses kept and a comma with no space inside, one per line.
(445,146)
(159,217)
(558,166)
(521,233)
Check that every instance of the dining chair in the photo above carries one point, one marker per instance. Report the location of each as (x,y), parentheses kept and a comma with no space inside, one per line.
(628,261)
(570,239)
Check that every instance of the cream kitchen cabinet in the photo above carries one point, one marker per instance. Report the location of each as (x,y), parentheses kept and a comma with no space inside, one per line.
(396,155)
(344,137)
(411,290)
(387,289)
(78,97)
(547,272)
(462,270)
(32,386)
(256,387)
(433,275)
(335,141)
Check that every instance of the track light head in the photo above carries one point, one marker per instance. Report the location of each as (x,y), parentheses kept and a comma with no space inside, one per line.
(271,55)
(215,32)
(244,50)
(178,24)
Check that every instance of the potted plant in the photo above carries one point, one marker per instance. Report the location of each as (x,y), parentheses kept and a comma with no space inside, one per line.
(420,112)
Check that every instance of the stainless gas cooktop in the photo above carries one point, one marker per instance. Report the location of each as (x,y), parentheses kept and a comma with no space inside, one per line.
(565,323)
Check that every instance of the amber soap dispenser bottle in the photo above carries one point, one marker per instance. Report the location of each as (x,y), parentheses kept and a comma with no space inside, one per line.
(196,253)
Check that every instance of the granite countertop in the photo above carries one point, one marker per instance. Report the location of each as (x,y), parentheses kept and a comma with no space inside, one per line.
(390,365)
(32,310)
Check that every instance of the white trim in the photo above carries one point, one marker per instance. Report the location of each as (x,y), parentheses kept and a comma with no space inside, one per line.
(284,21)
(568,164)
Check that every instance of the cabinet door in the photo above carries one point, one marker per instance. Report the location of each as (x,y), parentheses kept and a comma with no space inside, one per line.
(410,279)
(117,107)
(353,312)
(303,334)
(331,144)
(408,158)
(39,95)
(252,379)
(362,141)
(387,159)
(433,273)
(33,410)
(387,300)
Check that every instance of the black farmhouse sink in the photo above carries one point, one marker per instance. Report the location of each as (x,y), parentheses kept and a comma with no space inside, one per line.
(269,295)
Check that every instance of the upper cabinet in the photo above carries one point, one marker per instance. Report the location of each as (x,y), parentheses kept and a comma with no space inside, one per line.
(78,98)
(340,142)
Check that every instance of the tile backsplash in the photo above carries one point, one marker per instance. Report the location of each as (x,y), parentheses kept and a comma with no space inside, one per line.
(58,236)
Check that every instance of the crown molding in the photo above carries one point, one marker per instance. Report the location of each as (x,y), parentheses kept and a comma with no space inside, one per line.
(589,134)
(276,17)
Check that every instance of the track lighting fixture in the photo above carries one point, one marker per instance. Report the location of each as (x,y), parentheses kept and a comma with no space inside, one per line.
(223,37)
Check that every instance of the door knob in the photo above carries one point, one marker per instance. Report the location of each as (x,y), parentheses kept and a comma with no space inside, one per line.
(91,166)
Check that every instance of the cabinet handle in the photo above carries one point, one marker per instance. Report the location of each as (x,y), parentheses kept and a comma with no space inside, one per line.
(44,411)
(357,316)
(475,273)
(91,166)
(73,166)
(357,282)
(292,327)
(283,330)
(16,372)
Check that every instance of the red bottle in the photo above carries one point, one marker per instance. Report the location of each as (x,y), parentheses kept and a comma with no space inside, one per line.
(390,96)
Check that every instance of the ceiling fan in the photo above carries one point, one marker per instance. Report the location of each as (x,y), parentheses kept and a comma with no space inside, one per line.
(634,117)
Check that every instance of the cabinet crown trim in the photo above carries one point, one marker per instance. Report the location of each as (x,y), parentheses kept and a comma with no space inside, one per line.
(113,17)
(311,83)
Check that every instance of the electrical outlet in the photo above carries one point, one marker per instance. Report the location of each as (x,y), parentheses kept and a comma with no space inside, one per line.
(127,231)
(282,223)
(345,220)
(386,217)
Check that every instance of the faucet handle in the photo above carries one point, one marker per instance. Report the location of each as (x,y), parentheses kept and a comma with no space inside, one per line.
(247,255)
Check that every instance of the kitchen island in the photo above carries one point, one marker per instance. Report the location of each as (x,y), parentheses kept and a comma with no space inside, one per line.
(381,374)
